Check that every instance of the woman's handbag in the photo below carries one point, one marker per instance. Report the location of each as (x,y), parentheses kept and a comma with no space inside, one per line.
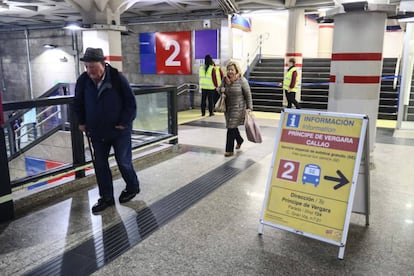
(221,103)
(252,128)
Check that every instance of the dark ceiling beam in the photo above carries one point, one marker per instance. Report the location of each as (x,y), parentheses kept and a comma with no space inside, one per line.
(229,6)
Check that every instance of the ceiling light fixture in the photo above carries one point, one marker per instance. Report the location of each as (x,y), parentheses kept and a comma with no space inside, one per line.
(72,26)
(50,46)
(4,7)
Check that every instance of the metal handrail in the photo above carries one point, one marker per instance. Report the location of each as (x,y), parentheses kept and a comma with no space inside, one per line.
(44,111)
(397,72)
(28,130)
(50,117)
(258,48)
(186,87)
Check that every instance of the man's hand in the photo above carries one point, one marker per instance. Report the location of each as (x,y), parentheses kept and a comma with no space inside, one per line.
(120,127)
(82,128)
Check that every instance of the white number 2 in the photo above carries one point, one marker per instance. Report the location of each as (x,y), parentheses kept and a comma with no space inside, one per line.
(290,168)
(170,60)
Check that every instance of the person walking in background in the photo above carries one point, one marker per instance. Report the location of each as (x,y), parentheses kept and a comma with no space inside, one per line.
(238,101)
(210,77)
(291,84)
(105,107)
(15,125)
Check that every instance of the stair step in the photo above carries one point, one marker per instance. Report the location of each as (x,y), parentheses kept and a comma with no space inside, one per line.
(316,70)
(276,109)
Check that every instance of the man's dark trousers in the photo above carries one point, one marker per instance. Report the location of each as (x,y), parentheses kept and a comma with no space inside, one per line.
(123,155)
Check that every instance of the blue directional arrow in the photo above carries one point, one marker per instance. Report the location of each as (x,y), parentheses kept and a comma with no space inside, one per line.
(342,180)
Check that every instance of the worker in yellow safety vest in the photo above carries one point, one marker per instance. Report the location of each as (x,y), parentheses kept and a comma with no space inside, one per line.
(210,76)
(291,84)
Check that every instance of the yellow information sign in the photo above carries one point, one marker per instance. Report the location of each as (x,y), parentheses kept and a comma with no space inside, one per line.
(314,169)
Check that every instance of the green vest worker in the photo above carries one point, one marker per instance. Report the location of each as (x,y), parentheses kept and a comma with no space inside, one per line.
(210,77)
(291,84)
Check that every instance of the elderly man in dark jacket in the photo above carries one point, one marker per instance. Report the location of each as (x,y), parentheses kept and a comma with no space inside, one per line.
(106,107)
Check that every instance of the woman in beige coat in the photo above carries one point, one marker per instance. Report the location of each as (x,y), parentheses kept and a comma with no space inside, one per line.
(238,101)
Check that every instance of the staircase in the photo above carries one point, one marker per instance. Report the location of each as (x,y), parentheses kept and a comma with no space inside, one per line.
(388,102)
(267,95)
(315,83)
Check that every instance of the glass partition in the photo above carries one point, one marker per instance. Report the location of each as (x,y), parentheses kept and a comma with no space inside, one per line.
(41,140)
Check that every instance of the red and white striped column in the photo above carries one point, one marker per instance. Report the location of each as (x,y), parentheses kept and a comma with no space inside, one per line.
(356,65)
(296,27)
(109,41)
(325,40)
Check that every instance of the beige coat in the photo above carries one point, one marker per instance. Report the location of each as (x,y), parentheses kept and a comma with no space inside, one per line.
(238,99)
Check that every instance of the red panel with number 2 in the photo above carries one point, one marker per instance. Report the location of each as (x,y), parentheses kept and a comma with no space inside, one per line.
(173,53)
(288,170)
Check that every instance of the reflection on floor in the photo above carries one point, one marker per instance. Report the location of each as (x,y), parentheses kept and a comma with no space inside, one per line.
(198,214)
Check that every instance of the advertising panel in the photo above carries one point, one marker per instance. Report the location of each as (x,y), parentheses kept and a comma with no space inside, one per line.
(206,43)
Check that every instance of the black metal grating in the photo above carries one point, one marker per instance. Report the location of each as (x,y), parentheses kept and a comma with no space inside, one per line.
(91,255)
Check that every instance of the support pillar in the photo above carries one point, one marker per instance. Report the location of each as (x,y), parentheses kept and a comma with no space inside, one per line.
(103,18)
(109,41)
(6,200)
(356,66)
(294,49)
(325,40)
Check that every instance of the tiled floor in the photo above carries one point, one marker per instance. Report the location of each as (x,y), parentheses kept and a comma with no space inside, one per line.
(214,232)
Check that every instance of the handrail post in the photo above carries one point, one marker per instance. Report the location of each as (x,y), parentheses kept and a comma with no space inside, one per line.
(248,66)
(172,114)
(260,48)
(78,147)
(6,199)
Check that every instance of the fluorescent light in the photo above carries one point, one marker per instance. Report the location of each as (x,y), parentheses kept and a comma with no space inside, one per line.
(406,20)
(72,26)
(325,9)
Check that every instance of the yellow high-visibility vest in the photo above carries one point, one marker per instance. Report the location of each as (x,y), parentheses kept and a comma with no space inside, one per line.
(206,80)
(218,76)
(288,79)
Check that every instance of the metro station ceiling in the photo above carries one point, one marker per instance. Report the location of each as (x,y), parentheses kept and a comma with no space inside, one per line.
(44,13)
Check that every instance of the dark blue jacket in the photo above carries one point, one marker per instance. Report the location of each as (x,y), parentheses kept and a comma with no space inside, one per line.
(101,110)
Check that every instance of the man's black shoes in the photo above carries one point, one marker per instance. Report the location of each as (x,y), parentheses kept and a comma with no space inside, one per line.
(127,196)
(102,204)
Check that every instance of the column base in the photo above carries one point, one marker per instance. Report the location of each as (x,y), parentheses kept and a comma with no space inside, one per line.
(6,211)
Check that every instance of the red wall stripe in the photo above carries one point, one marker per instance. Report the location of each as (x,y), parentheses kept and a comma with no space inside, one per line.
(293,54)
(326,26)
(297,65)
(356,56)
(358,79)
(362,79)
(113,58)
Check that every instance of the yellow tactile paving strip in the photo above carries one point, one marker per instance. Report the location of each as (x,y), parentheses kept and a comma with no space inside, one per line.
(195,114)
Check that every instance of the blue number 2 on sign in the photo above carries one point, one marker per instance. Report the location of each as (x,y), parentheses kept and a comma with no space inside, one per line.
(293,120)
